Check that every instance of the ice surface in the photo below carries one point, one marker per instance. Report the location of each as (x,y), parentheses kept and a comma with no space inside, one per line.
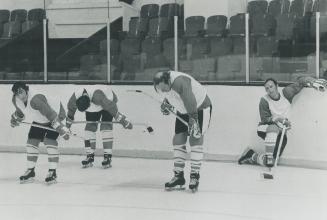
(133,189)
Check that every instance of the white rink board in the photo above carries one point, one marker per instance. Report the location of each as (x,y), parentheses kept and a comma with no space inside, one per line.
(233,126)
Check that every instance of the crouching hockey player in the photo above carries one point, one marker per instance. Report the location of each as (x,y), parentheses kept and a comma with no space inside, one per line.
(98,105)
(46,113)
(190,100)
(274,110)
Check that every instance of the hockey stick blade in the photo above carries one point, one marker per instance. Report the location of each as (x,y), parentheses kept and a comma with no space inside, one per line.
(267,176)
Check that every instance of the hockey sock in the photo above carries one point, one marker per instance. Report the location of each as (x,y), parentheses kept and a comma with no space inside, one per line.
(90,142)
(53,156)
(32,150)
(179,157)
(259,158)
(32,155)
(107,139)
(196,158)
(270,142)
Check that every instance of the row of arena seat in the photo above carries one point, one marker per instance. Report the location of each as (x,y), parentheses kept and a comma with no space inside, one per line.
(165,10)
(15,22)
(284,26)
(277,7)
(207,59)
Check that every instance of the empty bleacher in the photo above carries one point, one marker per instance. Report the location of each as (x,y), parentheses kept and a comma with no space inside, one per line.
(210,48)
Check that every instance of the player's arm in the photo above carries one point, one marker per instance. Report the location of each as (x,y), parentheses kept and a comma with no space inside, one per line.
(265,114)
(40,103)
(99,98)
(71,110)
(71,107)
(18,116)
(182,85)
(306,81)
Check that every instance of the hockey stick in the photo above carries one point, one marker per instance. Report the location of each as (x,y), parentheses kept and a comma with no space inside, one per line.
(148,128)
(160,102)
(270,173)
(50,129)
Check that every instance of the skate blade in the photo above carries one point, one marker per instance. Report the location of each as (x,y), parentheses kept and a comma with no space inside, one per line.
(51,182)
(106,166)
(87,165)
(194,190)
(31,180)
(176,188)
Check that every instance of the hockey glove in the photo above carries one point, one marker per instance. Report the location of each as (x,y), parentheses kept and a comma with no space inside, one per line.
(69,122)
(123,121)
(61,129)
(194,128)
(16,118)
(319,84)
(280,121)
(166,107)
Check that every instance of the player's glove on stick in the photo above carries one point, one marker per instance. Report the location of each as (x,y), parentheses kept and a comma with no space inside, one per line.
(69,122)
(194,128)
(166,107)
(16,118)
(122,119)
(319,84)
(61,129)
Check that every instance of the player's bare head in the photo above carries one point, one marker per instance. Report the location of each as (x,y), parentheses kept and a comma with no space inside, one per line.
(161,81)
(271,87)
(17,87)
(83,102)
(20,90)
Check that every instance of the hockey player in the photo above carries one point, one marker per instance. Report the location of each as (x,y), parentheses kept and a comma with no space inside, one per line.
(274,110)
(98,104)
(47,113)
(189,98)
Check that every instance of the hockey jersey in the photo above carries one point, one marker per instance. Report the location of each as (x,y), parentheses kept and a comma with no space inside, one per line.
(100,99)
(39,108)
(185,97)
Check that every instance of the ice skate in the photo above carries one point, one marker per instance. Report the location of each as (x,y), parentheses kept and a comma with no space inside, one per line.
(246,157)
(88,162)
(28,176)
(106,163)
(51,177)
(194,182)
(177,182)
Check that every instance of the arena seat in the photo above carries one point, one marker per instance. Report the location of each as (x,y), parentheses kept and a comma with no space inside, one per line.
(277,7)
(297,8)
(18,15)
(267,46)
(237,25)
(194,26)
(257,7)
(196,47)
(149,11)
(34,18)
(285,26)
(231,67)
(161,27)
(170,10)
(138,27)
(220,46)
(169,50)
(262,25)
(216,26)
